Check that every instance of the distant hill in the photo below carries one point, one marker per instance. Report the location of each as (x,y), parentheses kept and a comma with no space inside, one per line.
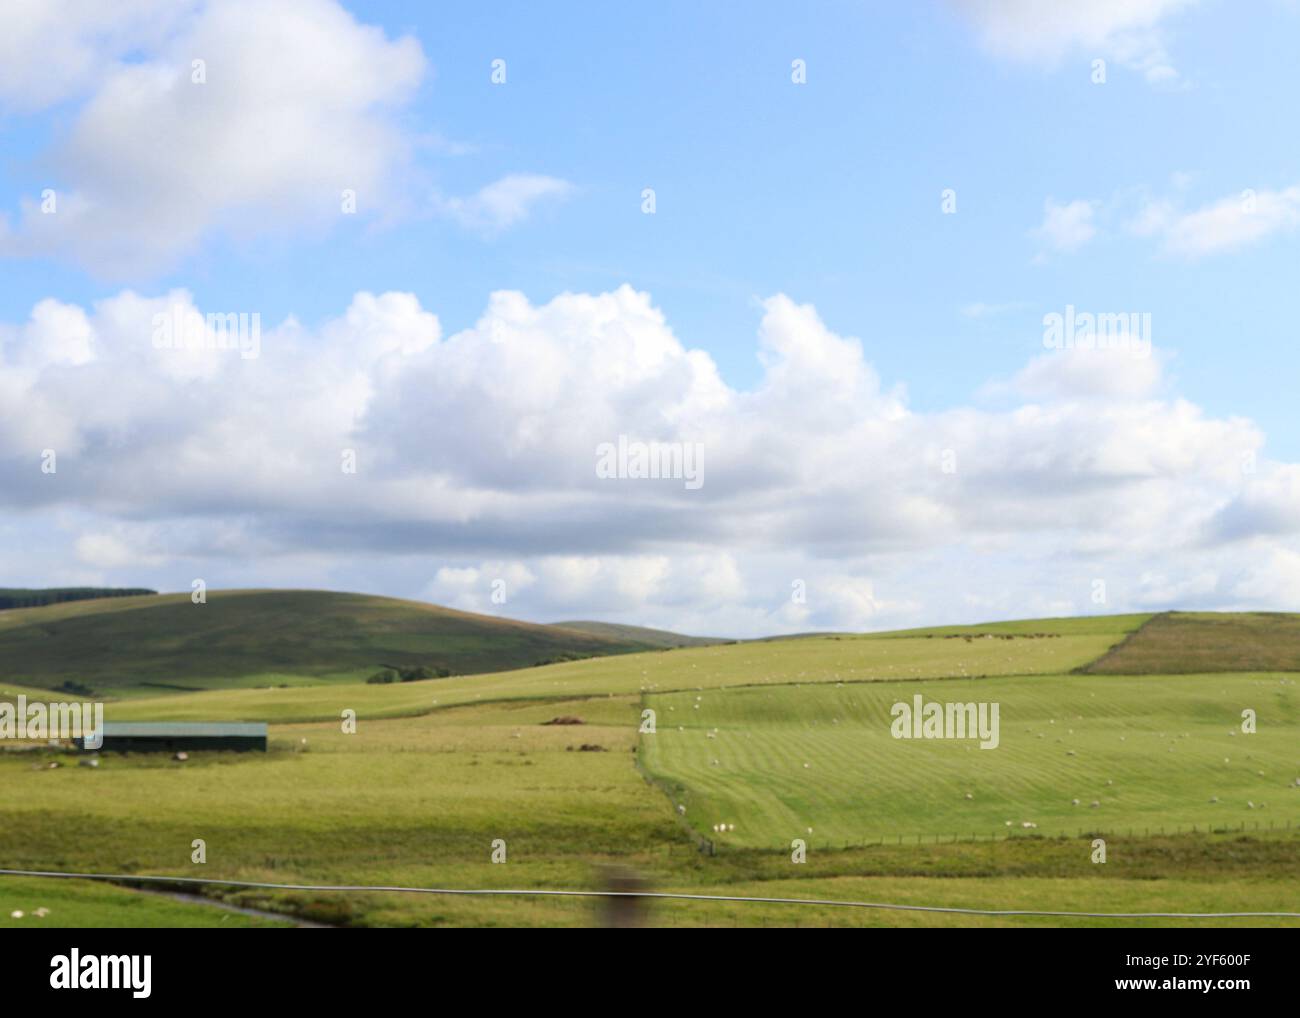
(17,597)
(660,638)
(132,645)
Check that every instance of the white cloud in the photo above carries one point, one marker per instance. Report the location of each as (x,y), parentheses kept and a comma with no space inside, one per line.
(476,459)
(1267,503)
(1036,32)
(1091,374)
(505,202)
(1228,224)
(295,109)
(1273,578)
(52,50)
(113,551)
(1066,228)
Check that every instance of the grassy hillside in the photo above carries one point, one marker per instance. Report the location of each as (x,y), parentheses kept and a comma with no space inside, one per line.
(17,597)
(804,660)
(1083,625)
(643,635)
(1189,642)
(260,638)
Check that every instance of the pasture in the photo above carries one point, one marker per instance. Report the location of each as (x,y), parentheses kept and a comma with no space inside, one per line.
(438,770)
(804,660)
(819,762)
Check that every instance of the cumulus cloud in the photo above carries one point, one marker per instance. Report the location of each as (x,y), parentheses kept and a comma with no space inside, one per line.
(475,460)
(51,50)
(225,118)
(1029,31)
(1228,224)
(1118,373)
(1268,503)
(294,108)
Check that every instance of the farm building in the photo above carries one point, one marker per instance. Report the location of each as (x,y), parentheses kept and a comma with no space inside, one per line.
(170,736)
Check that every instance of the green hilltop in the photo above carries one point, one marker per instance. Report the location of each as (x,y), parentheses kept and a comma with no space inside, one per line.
(129,645)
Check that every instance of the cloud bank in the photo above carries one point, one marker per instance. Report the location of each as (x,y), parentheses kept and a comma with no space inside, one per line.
(473,459)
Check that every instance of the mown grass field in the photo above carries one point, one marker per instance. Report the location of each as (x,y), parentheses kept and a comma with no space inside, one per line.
(422,789)
(820,762)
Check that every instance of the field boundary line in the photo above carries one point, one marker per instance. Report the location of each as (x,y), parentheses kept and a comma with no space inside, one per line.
(676,895)
(1083,669)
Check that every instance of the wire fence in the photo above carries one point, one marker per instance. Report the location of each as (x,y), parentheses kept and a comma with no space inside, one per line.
(1011,834)
(644,896)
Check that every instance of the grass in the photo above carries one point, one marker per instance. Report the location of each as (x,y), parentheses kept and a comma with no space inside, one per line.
(660,639)
(1086,625)
(422,789)
(808,660)
(1185,642)
(820,763)
(119,646)
(88,903)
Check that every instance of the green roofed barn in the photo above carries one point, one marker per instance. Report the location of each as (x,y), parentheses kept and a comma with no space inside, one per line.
(171,736)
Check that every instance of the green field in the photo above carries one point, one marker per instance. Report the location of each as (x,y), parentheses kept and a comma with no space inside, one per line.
(85,903)
(820,763)
(440,769)
(806,660)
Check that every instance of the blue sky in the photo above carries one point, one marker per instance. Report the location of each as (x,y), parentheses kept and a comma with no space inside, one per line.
(827,192)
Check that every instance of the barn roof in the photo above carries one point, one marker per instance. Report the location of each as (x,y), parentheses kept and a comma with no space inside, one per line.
(183,729)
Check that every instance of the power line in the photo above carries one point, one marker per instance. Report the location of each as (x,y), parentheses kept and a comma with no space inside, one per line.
(675,895)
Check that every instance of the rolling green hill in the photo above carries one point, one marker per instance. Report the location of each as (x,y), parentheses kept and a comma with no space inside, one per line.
(129,645)
(643,635)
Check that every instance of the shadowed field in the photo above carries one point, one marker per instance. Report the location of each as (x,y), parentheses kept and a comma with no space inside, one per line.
(1189,642)
(133,645)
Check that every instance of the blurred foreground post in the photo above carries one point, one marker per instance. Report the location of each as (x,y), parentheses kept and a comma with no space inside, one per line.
(622,909)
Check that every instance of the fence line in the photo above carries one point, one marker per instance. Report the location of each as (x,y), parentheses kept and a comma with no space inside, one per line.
(974,837)
(675,895)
